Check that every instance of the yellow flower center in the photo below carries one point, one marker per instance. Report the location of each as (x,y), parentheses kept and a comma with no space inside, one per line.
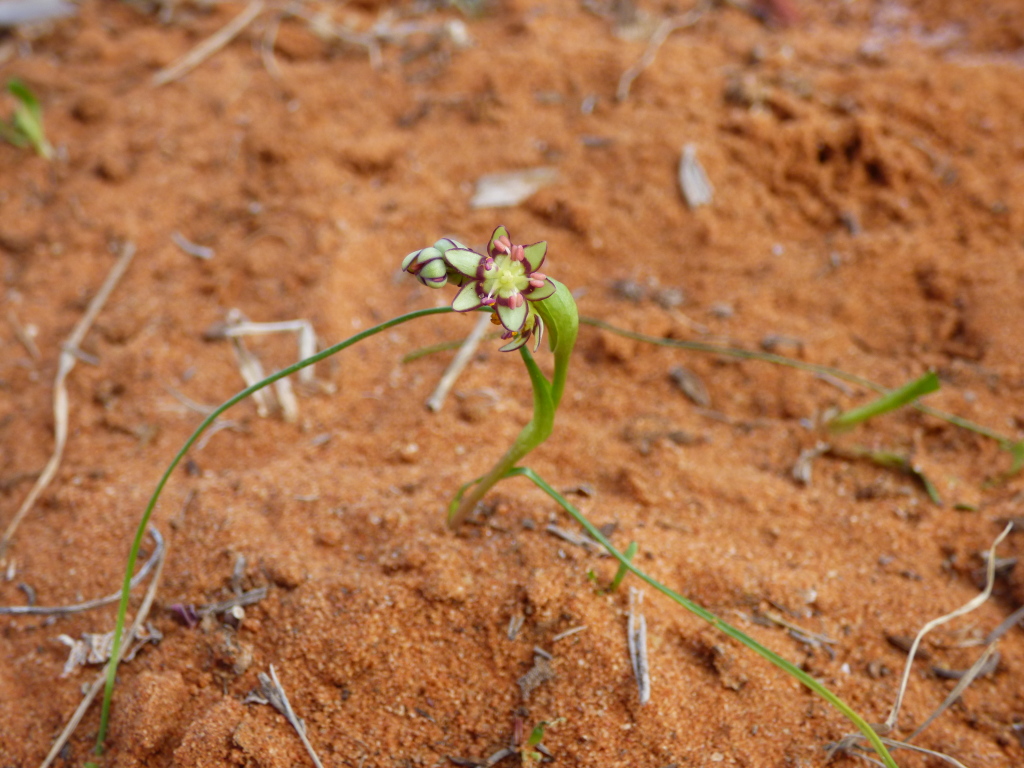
(506,277)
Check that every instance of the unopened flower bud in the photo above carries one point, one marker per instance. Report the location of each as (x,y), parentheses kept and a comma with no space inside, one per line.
(433,274)
(414,261)
(445,244)
(428,265)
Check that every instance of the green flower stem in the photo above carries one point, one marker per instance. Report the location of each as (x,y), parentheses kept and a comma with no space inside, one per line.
(786,666)
(533,434)
(562,321)
(122,609)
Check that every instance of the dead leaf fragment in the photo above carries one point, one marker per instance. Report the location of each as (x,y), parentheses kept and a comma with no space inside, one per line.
(693,180)
(501,190)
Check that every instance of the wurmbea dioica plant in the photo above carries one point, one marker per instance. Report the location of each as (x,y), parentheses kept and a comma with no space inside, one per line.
(507,282)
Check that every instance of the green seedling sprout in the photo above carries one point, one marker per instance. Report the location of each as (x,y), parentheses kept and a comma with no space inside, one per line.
(525,302)
(898,398)
(621,573)
(529,752)
(1014,447)
(890,401)
(25,127)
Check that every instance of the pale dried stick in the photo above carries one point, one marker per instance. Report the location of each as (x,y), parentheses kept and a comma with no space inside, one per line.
(66,363)
(98,683)
(578,539)
(88,605)
(894,744)
(459,363)
(320,24)
(23,336)
(568,633)
(238,326)
(636,632)
(967,607)
(1008,623)
(209,46)
(666,28)
(267,49)
(977,670)
(273,694)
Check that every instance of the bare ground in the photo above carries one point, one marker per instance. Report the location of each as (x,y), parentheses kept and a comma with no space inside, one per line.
(867,164)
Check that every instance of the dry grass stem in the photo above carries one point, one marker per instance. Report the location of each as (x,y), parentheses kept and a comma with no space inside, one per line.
(515,623)
(192,249)
(273,694)
(237,327)
(812,637)
(983,665)
(209,46)
(88,605)
(579,539)
(267,49)
(636,636)
(24,336)
(321,25)
(1007,624)
(60,393)
(459,363)
(251,597)
(218,426)
(661,34)
(305,336)
(894,745)
(978,669)
(568,633)
(98,683)
(969,606)
(188,402)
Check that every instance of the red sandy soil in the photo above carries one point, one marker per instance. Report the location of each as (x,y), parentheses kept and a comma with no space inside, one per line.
(868,166)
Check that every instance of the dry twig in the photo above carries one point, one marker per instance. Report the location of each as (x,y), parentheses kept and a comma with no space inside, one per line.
(238,326)
(23,335)
(579,539)
(969,606)
(272,693)
(636,636)
(458,364)
(88,605)
(98,683)
(847,743)
(210,45)
(68,358)
(661,34)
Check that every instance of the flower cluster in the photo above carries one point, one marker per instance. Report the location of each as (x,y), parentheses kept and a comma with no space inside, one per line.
(507,280)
